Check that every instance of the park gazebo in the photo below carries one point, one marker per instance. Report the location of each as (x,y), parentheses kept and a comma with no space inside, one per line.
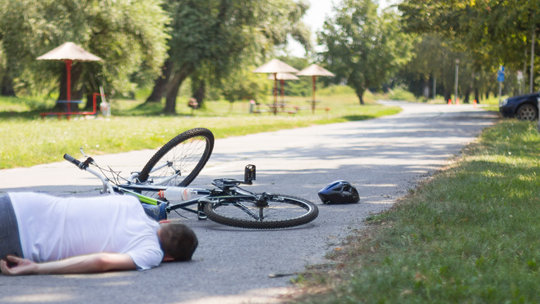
(314,71)
(69,52)
(275,66)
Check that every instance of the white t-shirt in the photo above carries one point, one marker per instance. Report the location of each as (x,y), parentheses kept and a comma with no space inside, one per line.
(53,228)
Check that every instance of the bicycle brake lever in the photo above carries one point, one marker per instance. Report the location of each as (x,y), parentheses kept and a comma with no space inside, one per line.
(83,152)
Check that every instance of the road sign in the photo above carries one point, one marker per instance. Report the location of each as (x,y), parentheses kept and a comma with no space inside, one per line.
(500,76)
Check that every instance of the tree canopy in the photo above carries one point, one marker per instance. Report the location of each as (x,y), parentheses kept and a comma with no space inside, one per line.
(364,47)
(494,32)
(222,36)
(130,36)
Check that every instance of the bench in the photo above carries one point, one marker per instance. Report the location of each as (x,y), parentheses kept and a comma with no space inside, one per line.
(261,111)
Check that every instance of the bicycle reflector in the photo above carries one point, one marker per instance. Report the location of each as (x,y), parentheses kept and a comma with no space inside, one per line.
(339,192)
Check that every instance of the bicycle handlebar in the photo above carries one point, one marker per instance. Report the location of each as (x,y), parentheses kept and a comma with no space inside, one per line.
(79,164)
(72,160)
(107,187)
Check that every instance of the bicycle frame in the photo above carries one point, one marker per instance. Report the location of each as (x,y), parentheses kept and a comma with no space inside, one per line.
(226,190)
(206,196)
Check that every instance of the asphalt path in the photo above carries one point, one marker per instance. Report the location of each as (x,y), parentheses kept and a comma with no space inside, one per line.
(382,157)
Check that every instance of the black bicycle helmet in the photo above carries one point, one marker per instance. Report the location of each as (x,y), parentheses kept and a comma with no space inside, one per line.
(339,192)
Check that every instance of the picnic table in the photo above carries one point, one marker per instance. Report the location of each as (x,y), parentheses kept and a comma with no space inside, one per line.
(282,108)
(69,113)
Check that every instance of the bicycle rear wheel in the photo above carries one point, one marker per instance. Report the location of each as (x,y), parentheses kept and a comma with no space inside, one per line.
(180,160)
(280,211)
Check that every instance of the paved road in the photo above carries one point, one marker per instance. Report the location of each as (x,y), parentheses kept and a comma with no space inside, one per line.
(382,158)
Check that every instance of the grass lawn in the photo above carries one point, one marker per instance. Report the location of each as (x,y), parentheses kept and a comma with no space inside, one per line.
(28,140)
(470,234)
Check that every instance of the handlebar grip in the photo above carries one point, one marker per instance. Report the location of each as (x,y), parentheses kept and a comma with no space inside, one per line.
(72,160)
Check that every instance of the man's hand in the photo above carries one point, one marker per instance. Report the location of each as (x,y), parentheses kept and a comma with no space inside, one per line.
(89,263)
(22,266)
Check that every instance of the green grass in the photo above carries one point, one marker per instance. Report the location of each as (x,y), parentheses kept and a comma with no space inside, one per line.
(468,235)
(490,104)
(28,140)
(401,94)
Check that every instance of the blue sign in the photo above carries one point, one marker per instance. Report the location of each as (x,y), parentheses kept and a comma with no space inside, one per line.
(500,76)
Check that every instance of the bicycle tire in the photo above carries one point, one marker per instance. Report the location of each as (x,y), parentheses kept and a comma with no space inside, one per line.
(188,153)
(304,212)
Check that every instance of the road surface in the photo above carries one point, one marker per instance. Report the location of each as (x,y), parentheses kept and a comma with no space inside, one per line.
(383,158)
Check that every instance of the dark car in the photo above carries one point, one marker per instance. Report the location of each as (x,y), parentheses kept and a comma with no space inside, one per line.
(524,107)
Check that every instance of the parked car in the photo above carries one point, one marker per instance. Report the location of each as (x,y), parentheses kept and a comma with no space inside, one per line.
(524,107)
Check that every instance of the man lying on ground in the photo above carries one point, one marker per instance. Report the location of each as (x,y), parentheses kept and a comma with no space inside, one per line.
(43,234)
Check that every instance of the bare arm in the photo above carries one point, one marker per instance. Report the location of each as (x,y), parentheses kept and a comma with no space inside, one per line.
(89,263)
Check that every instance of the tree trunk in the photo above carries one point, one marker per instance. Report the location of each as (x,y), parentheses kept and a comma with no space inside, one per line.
(467,93)
(179,77)
(199,92)
(446,95)
(160,86)
(6,86)
(90,102)
(476,95)
(360,94)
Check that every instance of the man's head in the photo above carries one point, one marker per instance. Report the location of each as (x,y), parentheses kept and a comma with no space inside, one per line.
(178,241)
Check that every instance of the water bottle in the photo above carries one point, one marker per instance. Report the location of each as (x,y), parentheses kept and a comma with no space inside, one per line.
(177,193)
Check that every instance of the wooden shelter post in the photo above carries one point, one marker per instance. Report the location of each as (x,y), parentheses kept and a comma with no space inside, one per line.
(275,93)
(68,70)
(314,79)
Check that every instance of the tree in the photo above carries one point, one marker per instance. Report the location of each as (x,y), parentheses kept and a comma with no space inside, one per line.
(243,85)
(128,34)
(493,32)
(363,47)
(223,35)
(432,58)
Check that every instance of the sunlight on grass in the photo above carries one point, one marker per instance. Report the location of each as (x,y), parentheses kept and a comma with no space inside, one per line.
(28,140)
(469,235)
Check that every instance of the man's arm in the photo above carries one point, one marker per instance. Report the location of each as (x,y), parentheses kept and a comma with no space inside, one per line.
(89,263)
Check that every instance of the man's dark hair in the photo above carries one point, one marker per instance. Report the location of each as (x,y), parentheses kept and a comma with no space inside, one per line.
(178,241)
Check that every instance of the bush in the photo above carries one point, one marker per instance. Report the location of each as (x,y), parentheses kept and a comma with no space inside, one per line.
(335,90)
(401,94)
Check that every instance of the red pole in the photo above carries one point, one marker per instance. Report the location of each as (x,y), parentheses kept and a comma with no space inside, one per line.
(68,69)
(95,107)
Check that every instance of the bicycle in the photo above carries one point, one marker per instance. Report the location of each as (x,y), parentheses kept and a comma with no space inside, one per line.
(177,164)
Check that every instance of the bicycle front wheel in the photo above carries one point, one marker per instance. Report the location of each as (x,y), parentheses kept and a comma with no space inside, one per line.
(278,211)
(180,160)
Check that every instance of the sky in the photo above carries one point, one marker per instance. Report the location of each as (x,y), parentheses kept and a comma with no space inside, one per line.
(318,11)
